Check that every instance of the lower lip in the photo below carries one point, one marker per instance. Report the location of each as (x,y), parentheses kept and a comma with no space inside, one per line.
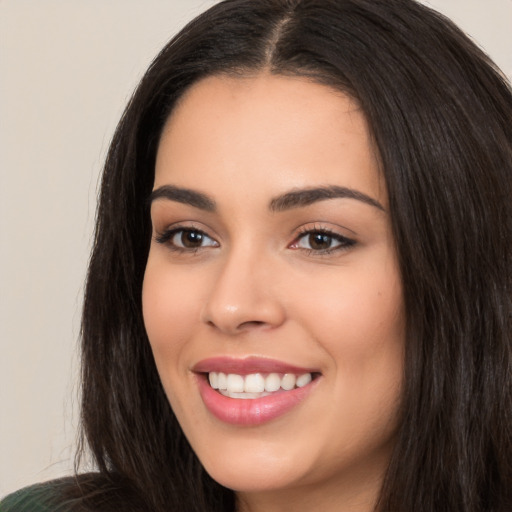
(250,411)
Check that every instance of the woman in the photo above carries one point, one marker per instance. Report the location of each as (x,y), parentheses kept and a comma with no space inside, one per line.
(299,292)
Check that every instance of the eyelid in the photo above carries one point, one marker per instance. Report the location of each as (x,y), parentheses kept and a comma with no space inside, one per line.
(344,242)
(166,235)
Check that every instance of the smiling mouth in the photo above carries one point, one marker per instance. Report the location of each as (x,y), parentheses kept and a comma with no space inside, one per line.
(251,391)
(257,385)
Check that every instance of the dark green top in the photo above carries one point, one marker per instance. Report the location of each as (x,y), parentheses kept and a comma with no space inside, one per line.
(90,492)
(36,498)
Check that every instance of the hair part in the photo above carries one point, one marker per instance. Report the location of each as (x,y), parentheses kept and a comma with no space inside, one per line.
(439,113)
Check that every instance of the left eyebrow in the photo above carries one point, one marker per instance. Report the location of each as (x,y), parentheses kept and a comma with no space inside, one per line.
(308,196)
(183,195)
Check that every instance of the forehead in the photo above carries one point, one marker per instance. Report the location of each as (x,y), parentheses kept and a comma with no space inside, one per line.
(267,132)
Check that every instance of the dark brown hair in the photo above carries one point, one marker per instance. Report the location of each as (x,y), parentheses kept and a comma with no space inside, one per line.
(441,117)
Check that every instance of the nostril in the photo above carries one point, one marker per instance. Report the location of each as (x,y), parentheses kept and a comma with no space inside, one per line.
(243,326)
(251,324)
(246,312)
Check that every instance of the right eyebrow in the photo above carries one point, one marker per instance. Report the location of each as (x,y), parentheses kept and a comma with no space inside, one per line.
(304,197)
(183,195)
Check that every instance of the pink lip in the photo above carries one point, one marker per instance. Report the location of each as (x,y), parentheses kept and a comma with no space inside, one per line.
(249,412)
(248,365)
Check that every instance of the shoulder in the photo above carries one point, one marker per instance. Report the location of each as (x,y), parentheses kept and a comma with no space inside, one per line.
(89,492)
(43,497)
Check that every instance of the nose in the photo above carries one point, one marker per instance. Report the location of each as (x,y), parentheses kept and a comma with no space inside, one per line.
(243,295)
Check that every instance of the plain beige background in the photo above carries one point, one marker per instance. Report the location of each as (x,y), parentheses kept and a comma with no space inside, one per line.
(67,69)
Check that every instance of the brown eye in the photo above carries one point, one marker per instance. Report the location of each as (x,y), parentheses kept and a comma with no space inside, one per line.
(319,241)
(322,242)
(186,239)
(189,239)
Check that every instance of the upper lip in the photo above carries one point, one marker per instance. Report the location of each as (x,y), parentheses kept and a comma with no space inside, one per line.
(248,365)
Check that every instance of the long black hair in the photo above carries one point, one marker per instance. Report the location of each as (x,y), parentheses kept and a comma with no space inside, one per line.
(440,114)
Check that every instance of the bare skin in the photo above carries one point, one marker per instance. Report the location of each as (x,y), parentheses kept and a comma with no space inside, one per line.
(254,264)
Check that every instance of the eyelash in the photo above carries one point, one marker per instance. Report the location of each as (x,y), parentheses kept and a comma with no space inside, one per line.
(345,243)
(167,236)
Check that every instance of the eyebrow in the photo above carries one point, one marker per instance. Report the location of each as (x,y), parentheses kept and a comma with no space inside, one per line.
(185,196)
(305,197)
(294,199)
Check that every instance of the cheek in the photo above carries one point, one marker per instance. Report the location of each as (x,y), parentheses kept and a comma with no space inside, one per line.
(356,308)
(169,305)
(171,309)
(357,319)
(360,326)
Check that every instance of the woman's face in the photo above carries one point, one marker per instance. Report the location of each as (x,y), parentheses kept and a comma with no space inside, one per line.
(272,273)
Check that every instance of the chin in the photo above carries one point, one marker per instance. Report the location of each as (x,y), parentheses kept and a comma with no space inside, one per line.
(253,466)
(249,478)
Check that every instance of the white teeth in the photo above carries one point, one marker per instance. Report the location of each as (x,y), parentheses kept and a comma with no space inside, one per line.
(272,382)
(256,385)
(214,380)
(288,381)
(244,396)
(235,383)
(303,380)
(222,381)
